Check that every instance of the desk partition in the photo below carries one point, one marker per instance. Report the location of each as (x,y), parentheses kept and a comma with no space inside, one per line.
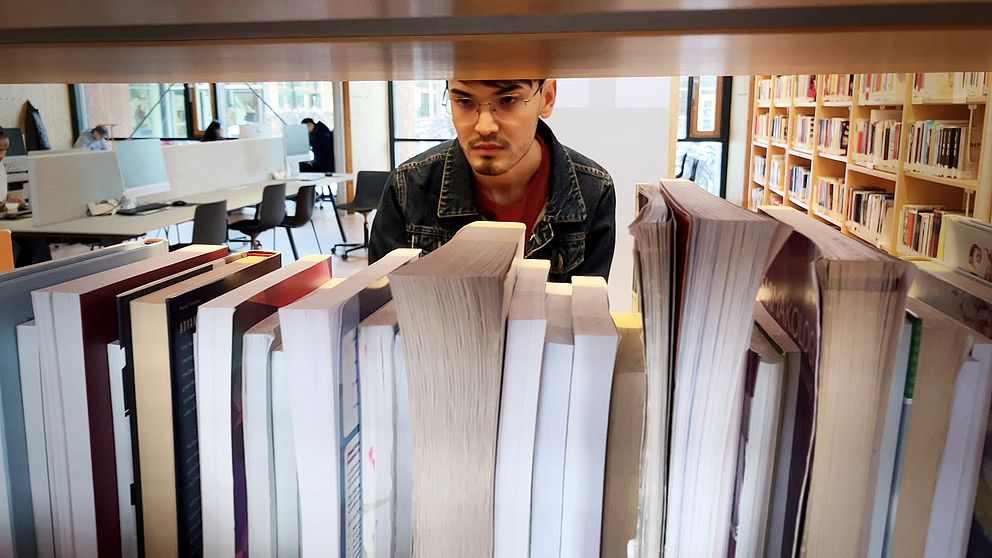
(196,168)
(63,184)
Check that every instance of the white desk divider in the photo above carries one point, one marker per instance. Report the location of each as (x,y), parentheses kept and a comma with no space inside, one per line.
(63,184)
(196,168)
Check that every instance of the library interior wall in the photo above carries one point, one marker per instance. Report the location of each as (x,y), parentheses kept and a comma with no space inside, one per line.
(740,108)
(622,124)
(369,125)
(52,99)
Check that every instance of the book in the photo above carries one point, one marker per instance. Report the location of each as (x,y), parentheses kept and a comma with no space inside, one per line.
(319,335)
(284,459)
(16,301)
(452,306)
(596,340)
(944,345)
(817,281)
(967,246)
(122,450)
(623,441)
(84,317)
(716,247)
(29,360)
(552,422)
(221,324)
(525,329)
(165,392)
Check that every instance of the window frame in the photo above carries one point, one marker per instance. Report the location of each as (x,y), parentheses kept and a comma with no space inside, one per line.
(723,85)
(393,138)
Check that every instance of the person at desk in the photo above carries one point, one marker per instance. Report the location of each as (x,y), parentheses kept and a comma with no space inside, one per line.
(322,145)
(4,146)
(213,132)
(93,140)
(505,165)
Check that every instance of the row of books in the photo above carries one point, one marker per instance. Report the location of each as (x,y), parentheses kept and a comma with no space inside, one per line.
(832,135)
(831,194)
(838,87)
(803,134)
(943,148)
(950,87)
(837,436)
(757,197)
(871,209)
(776,171)
(759,169)
(783,89)
(760,129)
(799,182)
(876,141)
(780,128)
(765,89)
(805,88)
(920,228)
(882,88)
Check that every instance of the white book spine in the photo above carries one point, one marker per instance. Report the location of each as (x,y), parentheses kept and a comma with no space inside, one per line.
(259,453)
(122,449)
(284,453)
(403,522)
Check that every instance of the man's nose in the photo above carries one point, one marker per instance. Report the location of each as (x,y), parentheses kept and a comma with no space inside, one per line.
(486,125)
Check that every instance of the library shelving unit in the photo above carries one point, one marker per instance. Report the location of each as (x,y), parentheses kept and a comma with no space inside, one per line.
(805,167)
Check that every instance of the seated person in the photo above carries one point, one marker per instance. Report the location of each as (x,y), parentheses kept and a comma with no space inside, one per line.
(213,132)
(322,145)
(94,139)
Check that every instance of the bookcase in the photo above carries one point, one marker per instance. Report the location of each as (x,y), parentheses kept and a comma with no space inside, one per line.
(912,141)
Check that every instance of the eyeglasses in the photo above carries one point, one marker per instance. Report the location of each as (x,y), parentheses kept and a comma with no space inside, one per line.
(506,107)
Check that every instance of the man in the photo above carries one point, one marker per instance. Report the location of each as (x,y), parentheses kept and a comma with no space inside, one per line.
(93,140)
(4,146)
(506,165)
(322,145)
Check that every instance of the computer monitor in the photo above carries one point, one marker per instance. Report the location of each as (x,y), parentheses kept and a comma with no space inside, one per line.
(16,147)
(142,167)
(296,141)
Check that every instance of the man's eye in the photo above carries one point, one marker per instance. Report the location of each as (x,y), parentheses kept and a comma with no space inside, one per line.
(508,101)
(467,104)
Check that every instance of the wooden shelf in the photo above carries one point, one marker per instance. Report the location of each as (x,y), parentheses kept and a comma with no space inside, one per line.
(880,103)
(764,104)
(945,102)
(801,153)
(831,156)
(781,104)
(965,184)
(774,191)
(830,217)
(781,144)
(801,203)
(854,228)
(884,175)
(846,103)
(804,104)
(761,143)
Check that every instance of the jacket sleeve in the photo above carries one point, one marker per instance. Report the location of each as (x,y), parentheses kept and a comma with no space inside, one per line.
(601,237)
(389,225)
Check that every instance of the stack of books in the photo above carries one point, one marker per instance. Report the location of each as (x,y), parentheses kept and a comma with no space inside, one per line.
(877,140)
(870,209)
(799,183)
(942,148)
(759,169)
(920,228)
(761,126)
(949,87)
(831,194)
(776,172)
(780,128)
(802,133)
(765,90)
(832,135)
(783,90)
(838,88)
(882,88)
(805,88)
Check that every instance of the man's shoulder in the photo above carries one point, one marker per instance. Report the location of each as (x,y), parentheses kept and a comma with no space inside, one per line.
(432,156)
(586,166)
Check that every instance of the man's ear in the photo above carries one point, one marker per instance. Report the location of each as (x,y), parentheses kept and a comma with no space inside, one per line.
(549,92)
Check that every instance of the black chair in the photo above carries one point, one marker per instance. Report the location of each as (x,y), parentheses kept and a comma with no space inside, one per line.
(368,191)
(270,214)
(306,198)
(693,167)
(209,225)
(681,165)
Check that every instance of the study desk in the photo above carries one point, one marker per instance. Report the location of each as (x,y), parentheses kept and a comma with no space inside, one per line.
(116,228)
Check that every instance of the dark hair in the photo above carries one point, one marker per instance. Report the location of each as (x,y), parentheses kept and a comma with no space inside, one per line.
(102,130)
(974,248)
(308,121)
(503,83)
(3,133)
(212,133)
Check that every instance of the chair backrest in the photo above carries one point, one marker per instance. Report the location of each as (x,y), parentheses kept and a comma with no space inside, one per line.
(692,170)
(210,223)
(680,164)
(368,190)
(273,207)
(306,197)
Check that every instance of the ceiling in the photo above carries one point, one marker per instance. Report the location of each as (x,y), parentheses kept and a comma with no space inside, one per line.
(58,41)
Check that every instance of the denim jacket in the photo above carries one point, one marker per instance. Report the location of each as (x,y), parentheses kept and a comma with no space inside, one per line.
(428,198)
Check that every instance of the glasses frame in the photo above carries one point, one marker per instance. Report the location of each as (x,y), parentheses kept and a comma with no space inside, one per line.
(492,108)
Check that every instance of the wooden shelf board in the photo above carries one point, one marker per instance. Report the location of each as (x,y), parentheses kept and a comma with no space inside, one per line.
(801,153)
(781,104)
(760,143)
(764,104)
(846,103)
(831,156)
(854,228)
(944,102)
(966,184)
(833,218)
(774,191)
(781,144)
(801,203)
(880,104)
(804,104)
(884,175)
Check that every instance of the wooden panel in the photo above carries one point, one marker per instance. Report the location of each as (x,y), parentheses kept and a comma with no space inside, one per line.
(563,55)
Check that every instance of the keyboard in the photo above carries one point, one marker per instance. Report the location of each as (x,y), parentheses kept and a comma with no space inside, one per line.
(142,209)
(308,176)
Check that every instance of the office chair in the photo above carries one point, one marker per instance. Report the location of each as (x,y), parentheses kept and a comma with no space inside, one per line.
(680,164)
(368,191)
(306,198)
(270,214)
(209,225)
(693,167)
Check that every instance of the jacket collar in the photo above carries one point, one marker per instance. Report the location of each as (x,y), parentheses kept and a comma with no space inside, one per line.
(565,203)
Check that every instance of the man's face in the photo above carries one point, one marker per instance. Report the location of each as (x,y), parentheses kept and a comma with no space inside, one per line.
(4,145)
(96,135)
(495,143)
(310,127)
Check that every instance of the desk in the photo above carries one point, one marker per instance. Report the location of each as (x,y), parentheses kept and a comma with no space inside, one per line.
(116,228)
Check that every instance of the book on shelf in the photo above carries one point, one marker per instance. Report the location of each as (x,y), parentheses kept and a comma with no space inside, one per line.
(805,88)
(882,88)
(831,194)
(949,87)
(780,128)
(525,329)
(832,135)
(764,89)
(943,148)
(783,90)
(944,415)
(838,88)
(799,178)
(819,279)
(803,132)
(76,321)
(776,171)
(163,324)
(122,450)
(966,245)
(623,445)
(971,86)
(757,197)
(758,171)
(877,140)
(760,129)
(921,226)
(29,360)
(221,324)
(872,211)
(695,381)
(25,462)
(320,348)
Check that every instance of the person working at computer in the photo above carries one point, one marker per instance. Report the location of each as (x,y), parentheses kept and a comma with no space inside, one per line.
(322,145)
(94,139)
(4,146)
(213,132)
(505,165)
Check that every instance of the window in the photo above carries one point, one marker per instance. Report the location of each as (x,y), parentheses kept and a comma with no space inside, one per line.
(265,103)
(138,109)
(703,131)
(419,119)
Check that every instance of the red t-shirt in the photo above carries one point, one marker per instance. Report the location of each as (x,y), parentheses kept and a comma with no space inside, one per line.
(529,208)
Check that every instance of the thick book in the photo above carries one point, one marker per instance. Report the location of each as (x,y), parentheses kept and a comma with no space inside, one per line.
(163,324)
(319,334)
(525,329)
(716,247)
(122,450)
(284,459)
(817,282)
(452,306)
(596,342)
(623,441)
(29,360)
(16,301)
(220,325)
(552,422)
(75,357)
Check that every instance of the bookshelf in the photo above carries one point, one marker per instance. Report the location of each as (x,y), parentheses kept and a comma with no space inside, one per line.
(811,167)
